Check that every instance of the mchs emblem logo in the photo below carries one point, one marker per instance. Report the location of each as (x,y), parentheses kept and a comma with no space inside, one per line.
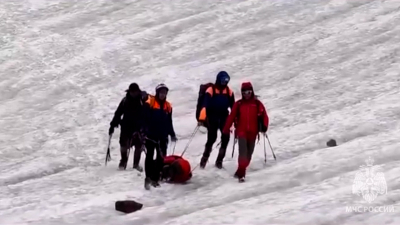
(369,181)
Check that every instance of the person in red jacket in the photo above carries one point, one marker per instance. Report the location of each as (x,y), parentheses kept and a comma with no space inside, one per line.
(250,118)
(176,169)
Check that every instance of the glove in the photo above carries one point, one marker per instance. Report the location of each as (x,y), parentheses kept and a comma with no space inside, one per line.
(111,130)
(143,135)
(143,132)
(202,123)
(174,139)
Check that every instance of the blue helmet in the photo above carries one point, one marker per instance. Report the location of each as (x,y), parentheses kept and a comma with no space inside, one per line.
(223,78)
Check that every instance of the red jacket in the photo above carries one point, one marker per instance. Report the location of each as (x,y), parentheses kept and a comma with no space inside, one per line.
(179,167)
(245,114)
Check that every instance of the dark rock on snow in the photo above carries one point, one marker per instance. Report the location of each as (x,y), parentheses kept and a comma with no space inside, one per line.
(128,206)
(331,143)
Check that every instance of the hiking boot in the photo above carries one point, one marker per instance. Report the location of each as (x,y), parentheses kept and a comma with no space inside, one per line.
(203,162)
(204,159)
(220,158)
(155,183)
(147,183)
(124,158)
(221,154)
(122,165)
(218,164)
(138,168)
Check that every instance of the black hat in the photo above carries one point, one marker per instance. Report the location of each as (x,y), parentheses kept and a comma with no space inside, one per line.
(133,87)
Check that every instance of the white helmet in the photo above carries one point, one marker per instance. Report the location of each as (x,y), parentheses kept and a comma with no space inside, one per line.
(161,86)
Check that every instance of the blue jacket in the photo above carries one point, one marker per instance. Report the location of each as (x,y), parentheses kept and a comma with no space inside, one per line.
(218,98)
(216,103)
(158,119)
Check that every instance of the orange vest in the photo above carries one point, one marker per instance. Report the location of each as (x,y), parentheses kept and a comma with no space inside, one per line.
(155,105)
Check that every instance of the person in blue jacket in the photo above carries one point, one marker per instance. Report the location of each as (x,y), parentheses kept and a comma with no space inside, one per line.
(218,99)
(158,127)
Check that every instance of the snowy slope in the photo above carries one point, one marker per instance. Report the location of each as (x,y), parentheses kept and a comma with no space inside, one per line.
(325,69)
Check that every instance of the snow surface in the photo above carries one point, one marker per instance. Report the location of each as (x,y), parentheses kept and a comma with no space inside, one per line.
(324,69)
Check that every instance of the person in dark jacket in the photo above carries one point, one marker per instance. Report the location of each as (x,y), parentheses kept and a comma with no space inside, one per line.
(250,118)
(132,110)
(159,127)
(218,99)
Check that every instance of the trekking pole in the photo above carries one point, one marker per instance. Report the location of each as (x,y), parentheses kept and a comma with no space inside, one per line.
(108,155)
(143,144)
(128,152)
(272,150)
(265,152)
(173,150)
(233,148)
(144,149)
(135,136)
(190,140)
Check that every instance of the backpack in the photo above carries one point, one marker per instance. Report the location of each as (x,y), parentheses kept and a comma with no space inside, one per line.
(261,127)
(202,94)
(200,99)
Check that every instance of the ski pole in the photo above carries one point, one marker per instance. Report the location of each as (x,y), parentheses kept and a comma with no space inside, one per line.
(144,149)
(127,156)
(233,148)
(143,143)
(272,150)
(265,152)
(108,155)
(173,150)
(190,140)
(128,152)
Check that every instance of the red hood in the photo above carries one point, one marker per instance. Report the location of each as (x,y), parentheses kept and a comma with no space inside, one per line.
(247,86)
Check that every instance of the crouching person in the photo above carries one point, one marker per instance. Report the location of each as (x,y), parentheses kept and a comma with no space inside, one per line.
(250,117)
(176,170)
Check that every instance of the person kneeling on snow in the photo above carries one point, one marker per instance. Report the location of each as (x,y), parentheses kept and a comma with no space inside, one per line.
(176,169)
(250,118)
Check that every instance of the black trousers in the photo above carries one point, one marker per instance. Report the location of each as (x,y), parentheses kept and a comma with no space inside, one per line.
(127,140)
(212,133)
(153,167)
